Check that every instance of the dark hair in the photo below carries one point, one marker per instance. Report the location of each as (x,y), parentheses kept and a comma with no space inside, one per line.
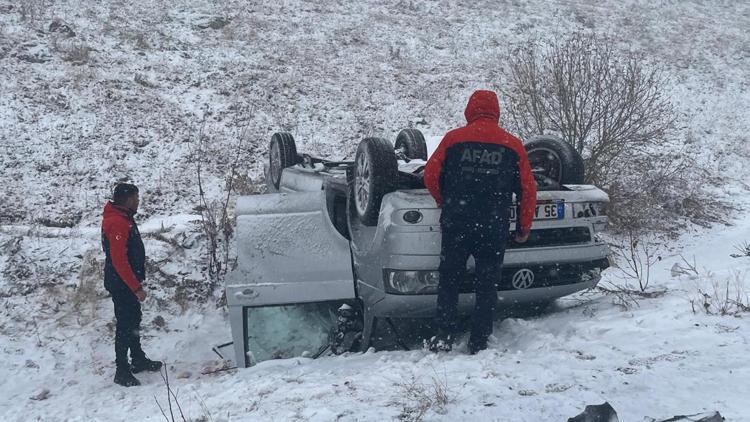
(122,192)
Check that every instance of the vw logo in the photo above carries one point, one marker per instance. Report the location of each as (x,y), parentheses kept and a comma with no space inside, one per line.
(523,279)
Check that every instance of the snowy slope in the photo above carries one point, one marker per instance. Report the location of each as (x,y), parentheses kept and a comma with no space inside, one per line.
(657,359)
(329,72)
(332,72)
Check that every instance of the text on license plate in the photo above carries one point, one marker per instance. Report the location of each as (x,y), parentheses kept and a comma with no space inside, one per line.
(551,211)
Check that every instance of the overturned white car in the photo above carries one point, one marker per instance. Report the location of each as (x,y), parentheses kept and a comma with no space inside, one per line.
(339,246)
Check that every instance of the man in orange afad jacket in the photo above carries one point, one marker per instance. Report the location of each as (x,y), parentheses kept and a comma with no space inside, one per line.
(473,175)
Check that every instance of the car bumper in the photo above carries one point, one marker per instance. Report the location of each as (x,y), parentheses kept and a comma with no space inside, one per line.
(382,304)
(558,272)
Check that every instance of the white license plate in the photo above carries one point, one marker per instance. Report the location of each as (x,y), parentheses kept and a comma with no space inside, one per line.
(551,211)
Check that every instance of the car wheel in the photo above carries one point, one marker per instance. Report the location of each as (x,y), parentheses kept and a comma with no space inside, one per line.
(555,161)
(375,174)
(282,153)
(411,143)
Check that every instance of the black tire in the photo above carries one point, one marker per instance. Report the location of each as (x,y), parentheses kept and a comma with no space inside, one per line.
(412,143)
(375,174)
(282,153)
(555,160)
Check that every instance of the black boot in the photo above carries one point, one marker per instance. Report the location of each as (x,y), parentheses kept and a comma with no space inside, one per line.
(145,364)
(477,343)
(476,346)
(125,378)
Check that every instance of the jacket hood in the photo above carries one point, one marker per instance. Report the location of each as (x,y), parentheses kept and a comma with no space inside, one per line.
(111,210)
(482,104)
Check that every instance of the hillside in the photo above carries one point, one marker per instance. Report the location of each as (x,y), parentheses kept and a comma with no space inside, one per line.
(125,97)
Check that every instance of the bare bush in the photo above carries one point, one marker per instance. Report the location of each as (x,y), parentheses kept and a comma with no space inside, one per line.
(171,397)
(729,297)
(742,249)
(216,220)
(173,403)
(636,255)
(614,109)
(77,54)
(606,104)
(686,268)
(74,52)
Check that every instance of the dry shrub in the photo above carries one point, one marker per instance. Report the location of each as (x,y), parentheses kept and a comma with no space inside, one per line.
(217,220)
(608,105)
(416,398)
(743,250)
(77,54)
(726,297)
(636,253)
(90,276)
(71,50)
(613,107)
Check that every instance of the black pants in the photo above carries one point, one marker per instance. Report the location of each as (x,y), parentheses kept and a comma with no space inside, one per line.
(485,241)
(127,332)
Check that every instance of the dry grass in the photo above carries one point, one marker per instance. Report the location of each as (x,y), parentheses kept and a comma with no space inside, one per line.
(32,11)
(636,254)
(416,398)
(743,250)
(70,50)
(89,278)
(77,54)
(728,297)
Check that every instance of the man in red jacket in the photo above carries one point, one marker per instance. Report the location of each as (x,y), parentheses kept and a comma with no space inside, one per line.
(473,175)
(124,271)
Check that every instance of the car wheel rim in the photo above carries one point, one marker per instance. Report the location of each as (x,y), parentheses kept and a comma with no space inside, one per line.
(362,183)
(275,163)
(546,162)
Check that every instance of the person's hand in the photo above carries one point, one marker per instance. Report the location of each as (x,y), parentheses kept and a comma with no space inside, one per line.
(141,295)
(521,237)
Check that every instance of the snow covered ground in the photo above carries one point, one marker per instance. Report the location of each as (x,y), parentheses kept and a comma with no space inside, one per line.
(331,73)
(660,358)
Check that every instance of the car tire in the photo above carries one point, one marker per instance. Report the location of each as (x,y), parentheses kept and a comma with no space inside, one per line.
(375,174)
(411,142)
(555,160)
(282,153)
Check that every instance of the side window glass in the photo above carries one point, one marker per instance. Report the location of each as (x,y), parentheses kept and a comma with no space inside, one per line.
(287,331)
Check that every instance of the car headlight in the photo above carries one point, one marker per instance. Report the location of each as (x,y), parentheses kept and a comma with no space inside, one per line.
(589,209)
(411,282)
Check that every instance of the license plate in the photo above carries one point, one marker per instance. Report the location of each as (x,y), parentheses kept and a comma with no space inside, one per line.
(550,211)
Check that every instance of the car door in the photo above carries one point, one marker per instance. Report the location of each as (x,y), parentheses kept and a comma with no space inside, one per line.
(293,271)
